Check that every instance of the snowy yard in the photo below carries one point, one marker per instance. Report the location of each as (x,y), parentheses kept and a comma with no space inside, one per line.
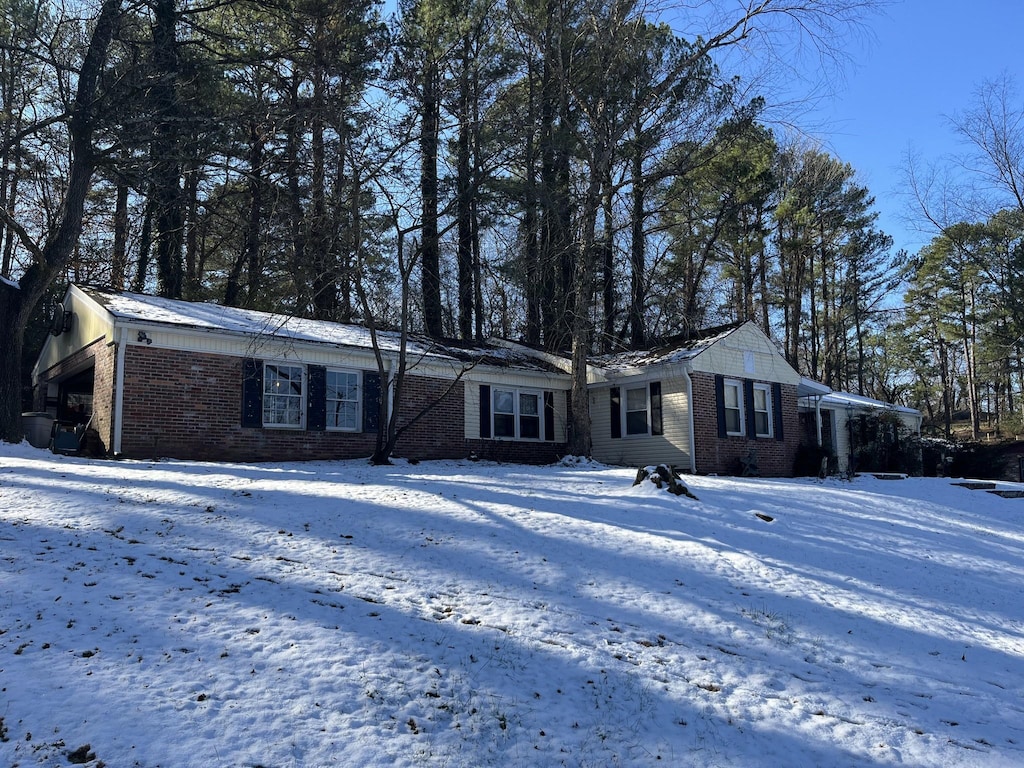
(458,614)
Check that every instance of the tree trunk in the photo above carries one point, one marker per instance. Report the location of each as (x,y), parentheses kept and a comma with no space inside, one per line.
(168,195)
(464,192)
(321,241)
(580,438)
(638,253)
(608,267)
(119,256)
(249,253)
(17,303)
(430,262)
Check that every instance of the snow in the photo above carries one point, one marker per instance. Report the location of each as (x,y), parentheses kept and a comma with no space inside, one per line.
(204,316)
(471,614)
(216,317)
(674,353)
(849,400)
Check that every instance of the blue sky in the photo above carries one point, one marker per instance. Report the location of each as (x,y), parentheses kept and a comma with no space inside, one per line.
(922,63)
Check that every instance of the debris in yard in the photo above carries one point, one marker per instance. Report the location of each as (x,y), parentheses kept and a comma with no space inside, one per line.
(664,476)
(82,755)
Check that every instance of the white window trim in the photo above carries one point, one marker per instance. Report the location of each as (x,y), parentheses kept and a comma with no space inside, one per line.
(768,410)
(741,405)
(359,401)
(302,396)
(623,406)
(516,416)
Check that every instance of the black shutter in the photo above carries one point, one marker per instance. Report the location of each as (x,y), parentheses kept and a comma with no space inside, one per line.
(485,411)
(616,412)
(371,401)
(777,410)
(252,393)
(316,398)
(748,400)
(656,425)
(549,415)
(719,405)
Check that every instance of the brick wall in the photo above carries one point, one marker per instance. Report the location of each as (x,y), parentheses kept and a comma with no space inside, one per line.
(717,455)
(438,432)
(188,405)
(102,358)
(103,397)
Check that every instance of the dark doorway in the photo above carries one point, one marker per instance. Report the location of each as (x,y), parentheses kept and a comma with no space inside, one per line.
(75,398)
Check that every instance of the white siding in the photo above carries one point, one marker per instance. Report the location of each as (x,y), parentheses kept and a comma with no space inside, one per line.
(87,326)
(746,354)
(673,447)
(523,381)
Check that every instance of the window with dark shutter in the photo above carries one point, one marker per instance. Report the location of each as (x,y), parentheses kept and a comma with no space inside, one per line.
(549,416)
(316,403)
(777,403)
(616,412)
(720,405)
(252,393)
(371,401)
(485,411)
(748,405)
(657,428)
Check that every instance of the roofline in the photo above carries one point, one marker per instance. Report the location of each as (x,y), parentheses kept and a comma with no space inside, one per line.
(431,352)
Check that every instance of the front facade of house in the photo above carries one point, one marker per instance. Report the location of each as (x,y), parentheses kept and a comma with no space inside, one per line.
(720,402)
(163,378)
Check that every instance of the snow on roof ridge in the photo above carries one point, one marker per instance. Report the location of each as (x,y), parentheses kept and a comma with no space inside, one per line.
(674,349)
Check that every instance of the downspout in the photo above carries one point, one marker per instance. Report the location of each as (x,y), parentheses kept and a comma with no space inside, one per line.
(690,408)
(118,415)
(817,417)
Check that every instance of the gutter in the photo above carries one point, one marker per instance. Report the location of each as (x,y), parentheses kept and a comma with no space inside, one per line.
(118,414)
(689,400)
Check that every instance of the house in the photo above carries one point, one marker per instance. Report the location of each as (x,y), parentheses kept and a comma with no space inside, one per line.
(832,419)
(723,401)
(158,377)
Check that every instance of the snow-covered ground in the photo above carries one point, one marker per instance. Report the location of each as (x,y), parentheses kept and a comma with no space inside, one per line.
(461,614)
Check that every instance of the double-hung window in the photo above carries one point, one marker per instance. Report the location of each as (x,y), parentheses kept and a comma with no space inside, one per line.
(343,404)
(733,397)
(517,414)
(636,411)
(283,391)
(762,410)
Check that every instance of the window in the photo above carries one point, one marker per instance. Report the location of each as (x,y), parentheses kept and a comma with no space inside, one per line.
(517,414)
(636,411)
(282,395)
(733,398)
(762,411)
(504,413)
(529,415)
(640,410)
(343,400)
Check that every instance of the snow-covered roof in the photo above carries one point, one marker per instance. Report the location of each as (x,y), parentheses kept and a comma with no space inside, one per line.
(676,351)
(859,402)
(204,316)
(811,388)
